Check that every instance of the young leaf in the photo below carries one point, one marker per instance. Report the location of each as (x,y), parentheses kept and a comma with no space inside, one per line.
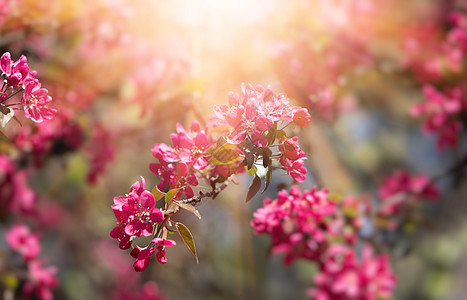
(157,194)
(280,134)
(250,157)
(271,136)
(266,154)
(251,171)
(268,178)
(254,188)
(224,156)
(190,208)
(187,238)
(170,194)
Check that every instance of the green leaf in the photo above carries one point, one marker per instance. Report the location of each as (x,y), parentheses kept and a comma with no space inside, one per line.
(251,171)
(221,143)
(171,194)
(224,156)
(190,208)
(157,194)
(254,188)
(187,238)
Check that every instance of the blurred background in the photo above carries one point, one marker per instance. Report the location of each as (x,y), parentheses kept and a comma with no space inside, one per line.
(123,73)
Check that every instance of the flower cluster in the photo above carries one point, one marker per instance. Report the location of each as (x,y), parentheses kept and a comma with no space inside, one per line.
(40,280)
(240,136)
(127,285)
(316,75)
(441,60)
(136,216)
(255,111)
(16,196)
(401,190)
(314,226)
(301,224)
(441,111)
(343,276)
(442,52)
(292,158)
(178,166)
(17,78)
(253,117)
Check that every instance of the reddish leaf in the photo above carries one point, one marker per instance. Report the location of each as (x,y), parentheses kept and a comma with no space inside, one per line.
(268,178)
(266,154)
(254,188)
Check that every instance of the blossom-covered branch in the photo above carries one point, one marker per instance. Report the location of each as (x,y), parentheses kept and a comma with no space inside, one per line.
(19,79)
(243,135)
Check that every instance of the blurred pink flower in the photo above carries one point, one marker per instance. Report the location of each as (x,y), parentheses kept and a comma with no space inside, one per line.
(343,277)
(401,188)
(40,281)
(21,240)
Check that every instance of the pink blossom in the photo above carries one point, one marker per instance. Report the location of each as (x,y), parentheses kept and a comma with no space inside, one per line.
(15,193)
(298,223)
(301,117)
(4,10)
(135,214)
(160,245)
(21,240)
(150,291)
(40,281)
(184,180)
(178,166)
(343,277)
(253,113)
(293,158)
(191,146)
(441,112)
(142,259)
(15,72)
(401,188)
(291,150)
(35,101)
